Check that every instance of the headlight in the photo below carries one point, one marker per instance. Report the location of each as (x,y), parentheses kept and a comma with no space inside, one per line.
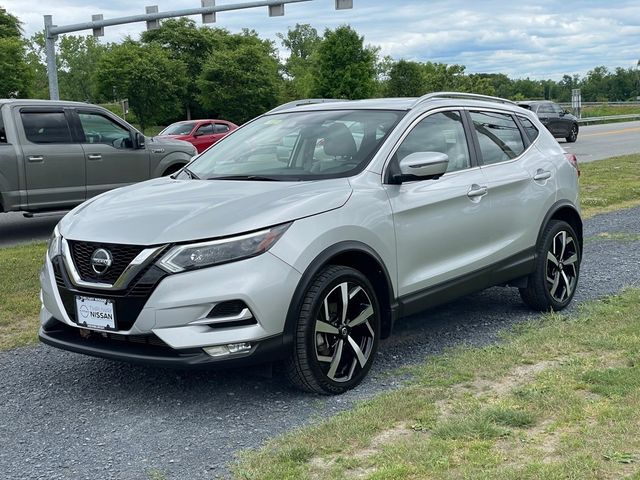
(206,254)
(55,243)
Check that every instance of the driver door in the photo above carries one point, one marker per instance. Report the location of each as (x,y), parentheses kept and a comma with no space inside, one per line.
(111,161)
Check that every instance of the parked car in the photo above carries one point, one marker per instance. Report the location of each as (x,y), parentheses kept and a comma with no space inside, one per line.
(245,256)
(201,133)
(55,155)
(558,121)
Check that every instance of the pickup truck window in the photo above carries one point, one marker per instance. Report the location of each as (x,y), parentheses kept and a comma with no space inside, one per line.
(206,129)
(100,129)
(46,127)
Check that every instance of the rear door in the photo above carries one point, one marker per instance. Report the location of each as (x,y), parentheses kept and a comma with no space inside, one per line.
(54,165)
(111,159)
(521,181)
(440,225)
(549,117)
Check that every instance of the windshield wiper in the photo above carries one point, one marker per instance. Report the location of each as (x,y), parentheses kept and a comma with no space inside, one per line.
(256,178)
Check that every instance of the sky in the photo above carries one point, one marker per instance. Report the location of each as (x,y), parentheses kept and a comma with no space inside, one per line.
(540,40)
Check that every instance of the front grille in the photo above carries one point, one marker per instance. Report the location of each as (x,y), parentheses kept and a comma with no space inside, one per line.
(122,256)
(128,303)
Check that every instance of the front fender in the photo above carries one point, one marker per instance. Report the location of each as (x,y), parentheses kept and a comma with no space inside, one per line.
(159,166)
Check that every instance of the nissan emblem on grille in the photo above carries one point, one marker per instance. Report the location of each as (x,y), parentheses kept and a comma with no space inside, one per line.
(101,260)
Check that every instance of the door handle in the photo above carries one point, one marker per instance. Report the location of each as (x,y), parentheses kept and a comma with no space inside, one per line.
(35,158)
(542,175)
(94,156)
(476,191)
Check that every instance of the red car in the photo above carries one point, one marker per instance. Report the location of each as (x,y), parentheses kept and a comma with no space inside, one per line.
(201,133)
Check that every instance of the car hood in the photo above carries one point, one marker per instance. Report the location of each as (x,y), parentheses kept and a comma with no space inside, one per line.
(170,141)
(165,210)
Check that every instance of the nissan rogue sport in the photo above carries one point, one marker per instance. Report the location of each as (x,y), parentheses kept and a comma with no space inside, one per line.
(302,236)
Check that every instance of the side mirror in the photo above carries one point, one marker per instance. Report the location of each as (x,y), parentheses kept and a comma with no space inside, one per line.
(423,166)
(138,140)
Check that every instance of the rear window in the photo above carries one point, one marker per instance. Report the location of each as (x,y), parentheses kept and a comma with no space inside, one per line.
(221,128)
(498,135)
(529,128)
(46,127)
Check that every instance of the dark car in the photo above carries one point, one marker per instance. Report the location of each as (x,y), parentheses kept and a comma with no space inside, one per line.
(201,133)
(558,121)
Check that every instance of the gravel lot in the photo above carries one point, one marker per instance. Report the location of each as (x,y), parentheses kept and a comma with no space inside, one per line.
(66,416)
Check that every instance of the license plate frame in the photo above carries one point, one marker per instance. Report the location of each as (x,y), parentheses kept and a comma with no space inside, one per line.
(95,312)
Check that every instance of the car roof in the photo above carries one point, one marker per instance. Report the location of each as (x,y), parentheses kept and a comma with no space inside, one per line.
(34,102)
(402,103)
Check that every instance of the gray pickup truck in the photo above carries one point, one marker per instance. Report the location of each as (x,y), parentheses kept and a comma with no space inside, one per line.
(55,155)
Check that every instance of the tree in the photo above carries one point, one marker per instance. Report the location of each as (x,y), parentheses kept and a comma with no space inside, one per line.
(240,83)
(343,66)
(153,82)
(15,75)
(302,41)
(405,80)
(10,26)
(78,59)
(191,45)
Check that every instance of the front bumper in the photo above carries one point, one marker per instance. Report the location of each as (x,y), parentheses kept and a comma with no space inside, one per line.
(172,312)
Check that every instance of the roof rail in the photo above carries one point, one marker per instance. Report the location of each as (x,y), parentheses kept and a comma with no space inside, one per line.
(470,96)
(305,101)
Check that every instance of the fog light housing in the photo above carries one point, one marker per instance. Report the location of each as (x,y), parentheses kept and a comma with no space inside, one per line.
(229,349)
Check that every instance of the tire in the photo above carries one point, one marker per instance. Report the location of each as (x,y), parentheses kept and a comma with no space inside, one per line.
(172,169)
(557,269)
(573,134)
(335,346)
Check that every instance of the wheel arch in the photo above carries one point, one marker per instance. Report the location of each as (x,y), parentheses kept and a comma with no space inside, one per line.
(566,211)
(356,255)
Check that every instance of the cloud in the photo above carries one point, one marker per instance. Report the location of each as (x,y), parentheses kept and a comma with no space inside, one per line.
(545,39)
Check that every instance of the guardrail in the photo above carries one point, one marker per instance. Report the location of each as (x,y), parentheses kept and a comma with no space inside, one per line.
(609,118)
(601,104)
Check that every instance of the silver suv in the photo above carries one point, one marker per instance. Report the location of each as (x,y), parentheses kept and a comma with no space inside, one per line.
(302,236)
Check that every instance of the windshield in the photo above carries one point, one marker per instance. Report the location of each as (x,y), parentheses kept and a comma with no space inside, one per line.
(298,146)
(181,128)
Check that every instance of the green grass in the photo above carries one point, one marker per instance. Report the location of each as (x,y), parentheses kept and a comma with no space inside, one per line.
(558,398)
(19,303)
(610,184)
(607,110)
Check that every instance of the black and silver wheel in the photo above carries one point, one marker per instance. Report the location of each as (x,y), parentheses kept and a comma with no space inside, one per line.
(573,134)
(337,332)
(552,285)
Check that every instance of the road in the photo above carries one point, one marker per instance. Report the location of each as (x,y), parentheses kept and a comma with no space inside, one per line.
(68,416)
(594,143)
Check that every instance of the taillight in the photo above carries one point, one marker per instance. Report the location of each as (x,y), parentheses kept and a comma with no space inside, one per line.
(573,160)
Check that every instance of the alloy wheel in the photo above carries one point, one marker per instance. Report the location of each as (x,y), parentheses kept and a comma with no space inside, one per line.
(344,338)
(562,262)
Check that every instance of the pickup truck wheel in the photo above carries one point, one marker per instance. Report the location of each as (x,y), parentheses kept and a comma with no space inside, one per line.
(553,283)
(337,334)
(171,170)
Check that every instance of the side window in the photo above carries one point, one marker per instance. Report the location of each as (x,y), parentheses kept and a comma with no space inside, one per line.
(556,108)
(3,134)
(498,135)
(206,129)
(46,127)
(221,128)
(100,129)
(441,132)
(529,128)
(545,108)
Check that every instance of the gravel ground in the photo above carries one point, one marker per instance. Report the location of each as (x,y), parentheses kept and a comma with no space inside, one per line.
(67,416)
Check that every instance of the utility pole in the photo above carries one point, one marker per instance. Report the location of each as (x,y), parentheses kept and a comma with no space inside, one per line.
(152,18)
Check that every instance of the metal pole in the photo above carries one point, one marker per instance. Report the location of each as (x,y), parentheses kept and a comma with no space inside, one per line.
(50,52)
(170,14)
